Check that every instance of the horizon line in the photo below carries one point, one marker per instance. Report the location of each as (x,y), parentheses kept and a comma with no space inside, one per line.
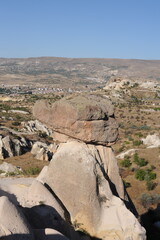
(100,58)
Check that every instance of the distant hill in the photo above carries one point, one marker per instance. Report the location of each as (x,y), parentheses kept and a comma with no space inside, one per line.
(74,72)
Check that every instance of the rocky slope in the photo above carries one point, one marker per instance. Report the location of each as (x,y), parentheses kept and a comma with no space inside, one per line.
(74,72)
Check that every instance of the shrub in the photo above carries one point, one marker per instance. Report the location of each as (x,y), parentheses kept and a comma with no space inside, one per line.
(130,138)
(121,149)
(42,134)
(146,175)
(140,174)
(139,134)
(148,199)
(32,171)
(137,142)
(127,142)
(16,123)
(145,127)
(126,162)
(135,157)
(139,161)
(150,185)
(150,175)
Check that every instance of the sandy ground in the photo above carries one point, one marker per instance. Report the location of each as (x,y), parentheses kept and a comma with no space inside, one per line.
(16,189)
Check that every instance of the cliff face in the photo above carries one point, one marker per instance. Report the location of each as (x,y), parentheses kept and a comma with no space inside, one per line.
(83,174)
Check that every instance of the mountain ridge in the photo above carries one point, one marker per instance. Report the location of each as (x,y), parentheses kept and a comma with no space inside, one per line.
(75,72)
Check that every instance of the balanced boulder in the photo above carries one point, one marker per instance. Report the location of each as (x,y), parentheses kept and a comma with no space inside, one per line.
(89,118)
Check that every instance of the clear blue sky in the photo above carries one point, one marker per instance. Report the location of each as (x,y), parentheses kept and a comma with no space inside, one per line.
(80,28)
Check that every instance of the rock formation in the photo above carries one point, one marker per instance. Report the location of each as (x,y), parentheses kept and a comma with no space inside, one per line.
(152,141)
(87,118)
(13,146)
(9,168)
(83,174)
(80,195)
(43,151)
(35,126)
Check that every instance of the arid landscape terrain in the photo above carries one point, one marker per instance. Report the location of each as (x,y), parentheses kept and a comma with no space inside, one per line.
(73,73)
(133,88)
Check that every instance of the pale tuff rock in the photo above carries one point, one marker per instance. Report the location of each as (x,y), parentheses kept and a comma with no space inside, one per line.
(12,222)
(14,146)
(36,126)
(7,147)
(39,194)
(111,169)
(91,195)
(8,167)
(126,153)
(89,118)
(43,151)
(152,141)
(18,111)
(42,174)
(118,84)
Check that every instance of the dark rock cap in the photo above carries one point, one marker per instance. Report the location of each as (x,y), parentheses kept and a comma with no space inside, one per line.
(89,117)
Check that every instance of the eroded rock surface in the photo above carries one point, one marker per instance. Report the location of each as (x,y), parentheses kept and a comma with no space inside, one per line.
(13,146)
(43,151)
(89,118)
(36,126)
(91,193)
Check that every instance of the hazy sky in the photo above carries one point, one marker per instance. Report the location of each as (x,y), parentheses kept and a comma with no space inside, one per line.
(80,28)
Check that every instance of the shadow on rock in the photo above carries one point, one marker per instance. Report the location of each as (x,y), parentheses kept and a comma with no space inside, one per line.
(44,216)
(148,221)
(10,196)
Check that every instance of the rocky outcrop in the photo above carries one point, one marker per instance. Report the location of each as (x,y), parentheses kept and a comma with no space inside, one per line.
(118,84)
(152,141)
(88,118)
(97,205)
(13,146)
(43,151)
(9,168)
(36,126)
